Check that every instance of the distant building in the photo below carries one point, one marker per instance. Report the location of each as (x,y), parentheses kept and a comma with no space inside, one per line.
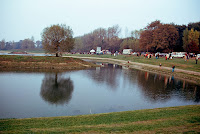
(99,50)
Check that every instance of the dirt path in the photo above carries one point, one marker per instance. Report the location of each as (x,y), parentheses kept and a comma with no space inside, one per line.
(137,65)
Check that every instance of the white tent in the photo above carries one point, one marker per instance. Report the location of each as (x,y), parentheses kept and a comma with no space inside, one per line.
(92,51)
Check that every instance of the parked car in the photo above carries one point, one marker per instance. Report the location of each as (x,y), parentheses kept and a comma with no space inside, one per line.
(127,51)
(134,54)
(178,54)
(160,54)
(198,55)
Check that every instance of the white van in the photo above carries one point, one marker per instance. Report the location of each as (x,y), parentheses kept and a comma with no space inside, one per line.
(127,51)
(178,54)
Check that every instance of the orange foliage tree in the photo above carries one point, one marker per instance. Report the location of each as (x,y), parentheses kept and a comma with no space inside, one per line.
(159,37)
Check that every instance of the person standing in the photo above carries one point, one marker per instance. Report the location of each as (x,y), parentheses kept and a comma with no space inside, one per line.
(196,59)
(167,56)
(173,67)
(160,65)
(185,57)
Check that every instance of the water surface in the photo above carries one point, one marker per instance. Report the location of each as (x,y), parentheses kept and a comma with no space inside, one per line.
(111,88)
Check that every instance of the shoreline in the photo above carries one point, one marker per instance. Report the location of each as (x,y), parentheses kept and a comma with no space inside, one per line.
(190,76)
(13,62)
(182,74)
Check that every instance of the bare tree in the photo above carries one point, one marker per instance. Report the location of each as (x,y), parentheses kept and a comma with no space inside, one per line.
(104,38)
(2,44)
(27,44)
(113,38)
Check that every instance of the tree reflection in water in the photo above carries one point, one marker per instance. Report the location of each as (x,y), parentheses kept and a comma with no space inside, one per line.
(107,74)
(158,87)
(154,87)
(56,90)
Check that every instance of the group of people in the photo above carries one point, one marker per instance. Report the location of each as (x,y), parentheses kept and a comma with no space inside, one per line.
(147,56)
(168,56)
(187,57)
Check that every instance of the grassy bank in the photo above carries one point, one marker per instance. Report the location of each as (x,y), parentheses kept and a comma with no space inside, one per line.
(184,119)
(185,70)
(177,62)
(41,62)
(20,50)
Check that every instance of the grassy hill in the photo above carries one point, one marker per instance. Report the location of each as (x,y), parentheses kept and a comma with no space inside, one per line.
(182,119)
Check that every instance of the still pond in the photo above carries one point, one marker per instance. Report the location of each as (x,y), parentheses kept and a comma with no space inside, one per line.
(111,88)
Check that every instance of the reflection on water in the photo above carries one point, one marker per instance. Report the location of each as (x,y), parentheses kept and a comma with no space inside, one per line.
(107,74)
(55,89)
(155,87)
(161,88)
(110,88)
(27,54)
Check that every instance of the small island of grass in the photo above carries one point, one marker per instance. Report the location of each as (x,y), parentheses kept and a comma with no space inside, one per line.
(13,62)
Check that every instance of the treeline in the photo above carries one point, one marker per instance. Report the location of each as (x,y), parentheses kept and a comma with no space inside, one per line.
(26,44)
(155,37)
(107,39)
(170,37)
(101,37)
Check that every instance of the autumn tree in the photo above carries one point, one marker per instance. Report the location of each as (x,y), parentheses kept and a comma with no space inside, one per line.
(159,37)
(185,39)
(57,38)
(193,41)
(165,37)
(195,26)
(146,39)
(179,46)
(193,36)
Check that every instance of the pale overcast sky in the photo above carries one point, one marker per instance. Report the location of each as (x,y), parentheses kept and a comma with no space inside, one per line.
(22,19)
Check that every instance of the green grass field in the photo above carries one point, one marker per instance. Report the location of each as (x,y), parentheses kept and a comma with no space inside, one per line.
(177,62)
(183,119)
(50,59)
(41,63)
(29,51)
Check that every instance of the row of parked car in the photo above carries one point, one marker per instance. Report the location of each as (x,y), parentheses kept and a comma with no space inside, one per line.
(178,54)
(173,54)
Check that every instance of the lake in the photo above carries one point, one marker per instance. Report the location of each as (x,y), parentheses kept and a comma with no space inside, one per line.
(111,88)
